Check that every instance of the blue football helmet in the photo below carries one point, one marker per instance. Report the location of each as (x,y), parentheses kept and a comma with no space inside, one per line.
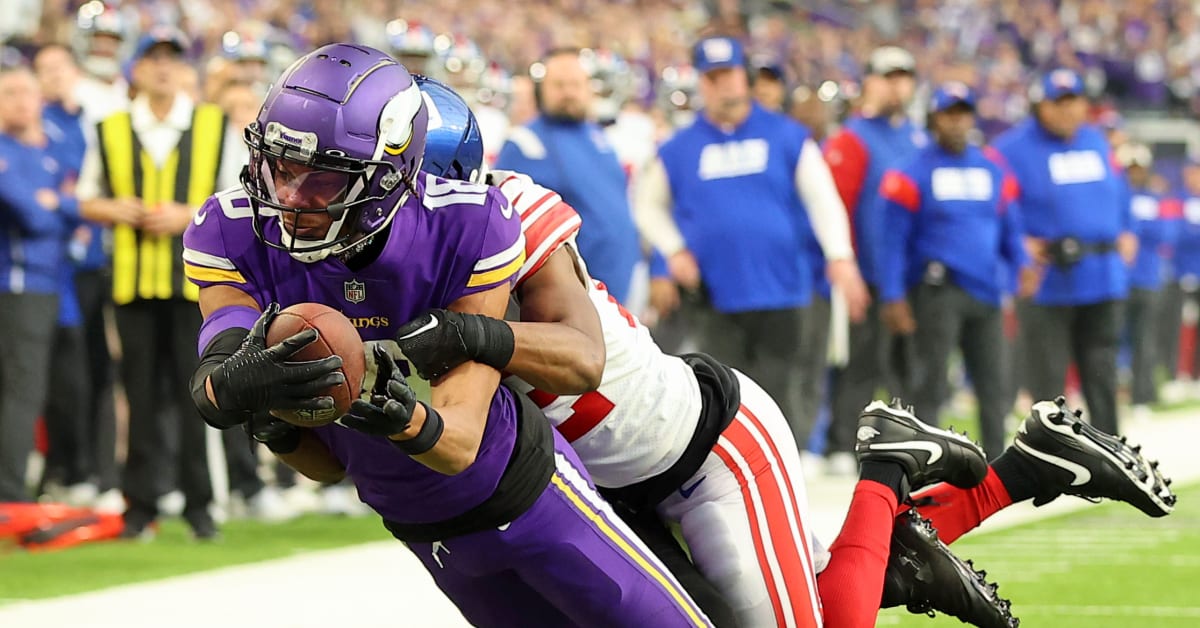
(453,145)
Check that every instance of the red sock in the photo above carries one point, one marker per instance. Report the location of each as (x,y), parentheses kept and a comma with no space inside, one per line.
(852,585)
(956,511)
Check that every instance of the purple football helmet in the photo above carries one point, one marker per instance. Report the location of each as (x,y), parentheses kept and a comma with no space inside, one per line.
(341,134)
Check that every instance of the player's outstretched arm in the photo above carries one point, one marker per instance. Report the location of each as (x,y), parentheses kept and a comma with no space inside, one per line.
(559,343)
(464,395)
(558,346)
(444,434)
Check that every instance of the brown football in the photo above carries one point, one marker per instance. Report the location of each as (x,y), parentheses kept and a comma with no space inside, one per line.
(336,336)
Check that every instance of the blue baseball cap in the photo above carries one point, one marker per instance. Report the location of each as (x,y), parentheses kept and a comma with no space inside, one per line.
(950,94)
(1057,84)
(161,34)
(770,65)
(715,53)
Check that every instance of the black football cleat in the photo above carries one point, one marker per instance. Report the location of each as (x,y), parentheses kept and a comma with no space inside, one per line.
(1073,458)
(928,454)
(924,576)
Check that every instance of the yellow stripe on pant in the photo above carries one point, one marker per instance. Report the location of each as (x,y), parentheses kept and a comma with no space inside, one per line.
(659,575)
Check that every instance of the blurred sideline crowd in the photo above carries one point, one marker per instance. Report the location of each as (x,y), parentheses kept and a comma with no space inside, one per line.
(1013,238)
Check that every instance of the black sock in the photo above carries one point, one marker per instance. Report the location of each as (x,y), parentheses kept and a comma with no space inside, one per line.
(1020,479)
(889,474)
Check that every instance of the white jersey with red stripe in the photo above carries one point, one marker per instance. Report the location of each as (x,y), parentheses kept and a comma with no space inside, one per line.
(743,511)
(641,418)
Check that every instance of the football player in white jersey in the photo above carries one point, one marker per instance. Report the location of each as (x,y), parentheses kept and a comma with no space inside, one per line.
(694,442)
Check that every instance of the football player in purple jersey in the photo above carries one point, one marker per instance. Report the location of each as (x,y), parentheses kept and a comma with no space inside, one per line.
(334,209)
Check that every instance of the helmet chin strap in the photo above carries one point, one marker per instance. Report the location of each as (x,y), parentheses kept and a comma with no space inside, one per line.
(309,257)
(352,248)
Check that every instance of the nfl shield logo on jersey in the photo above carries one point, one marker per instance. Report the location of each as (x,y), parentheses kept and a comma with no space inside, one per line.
(356,291)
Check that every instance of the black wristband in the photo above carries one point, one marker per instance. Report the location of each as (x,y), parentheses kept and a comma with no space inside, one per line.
(427,438)
(495,344)
(285,444)
(221,347)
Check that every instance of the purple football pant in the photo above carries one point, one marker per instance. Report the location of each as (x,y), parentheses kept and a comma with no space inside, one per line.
(567,561)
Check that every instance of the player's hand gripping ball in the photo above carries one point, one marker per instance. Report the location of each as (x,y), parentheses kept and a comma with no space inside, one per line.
(331,334)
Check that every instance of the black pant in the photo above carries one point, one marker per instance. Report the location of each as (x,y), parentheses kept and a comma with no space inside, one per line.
(809,386)
(677,332)
(763,344)
(242,462)
(1169,321)
(158,344)
(948,317)
(1191,361)
(99,454)
(1141,318)
(877,359)
(66,418)
(1089,334)
(27,323)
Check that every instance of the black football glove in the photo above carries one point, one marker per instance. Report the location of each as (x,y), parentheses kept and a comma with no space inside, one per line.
(439,340)
(257,378)
(278,435)
(392,401)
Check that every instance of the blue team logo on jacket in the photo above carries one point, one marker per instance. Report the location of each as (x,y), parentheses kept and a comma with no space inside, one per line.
(734,159)
(1077,166)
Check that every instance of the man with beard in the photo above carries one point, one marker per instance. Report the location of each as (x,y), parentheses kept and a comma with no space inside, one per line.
(877,137)
(567,152)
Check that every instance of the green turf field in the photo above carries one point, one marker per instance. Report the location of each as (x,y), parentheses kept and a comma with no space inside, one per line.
(89,567)
(1107,567)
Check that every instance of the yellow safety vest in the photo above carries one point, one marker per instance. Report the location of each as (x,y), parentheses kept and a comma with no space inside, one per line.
(147,266)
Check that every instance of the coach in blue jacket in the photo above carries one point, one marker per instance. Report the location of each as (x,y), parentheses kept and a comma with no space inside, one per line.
(565,151)
(880,136)
(35,219)
(953,233)
(1156,221)
(1075,209)
(729,203)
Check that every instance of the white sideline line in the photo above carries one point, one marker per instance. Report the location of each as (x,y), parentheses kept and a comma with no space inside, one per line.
(374,585)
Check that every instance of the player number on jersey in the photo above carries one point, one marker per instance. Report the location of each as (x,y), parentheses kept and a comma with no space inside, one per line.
(234,204)
(586,412)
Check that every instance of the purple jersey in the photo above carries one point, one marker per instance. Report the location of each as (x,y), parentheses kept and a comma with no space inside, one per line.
(449,240)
